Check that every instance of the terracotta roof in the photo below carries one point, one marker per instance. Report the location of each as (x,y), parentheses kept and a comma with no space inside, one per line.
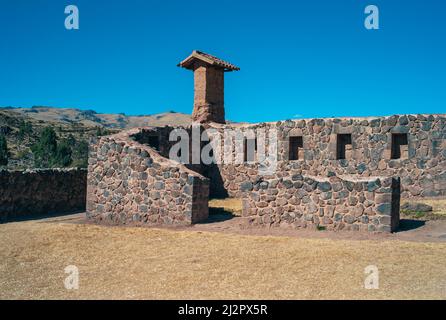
(207,58)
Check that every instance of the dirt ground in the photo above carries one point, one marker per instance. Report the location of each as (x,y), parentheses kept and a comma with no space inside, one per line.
(217,260)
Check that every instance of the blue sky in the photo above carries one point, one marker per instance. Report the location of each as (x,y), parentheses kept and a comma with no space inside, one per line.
(297,58)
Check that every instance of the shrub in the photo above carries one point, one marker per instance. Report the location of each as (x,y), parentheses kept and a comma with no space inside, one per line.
(63,155)
(3,151)
(45,148)
(80,154)
(48,153)
(25,129)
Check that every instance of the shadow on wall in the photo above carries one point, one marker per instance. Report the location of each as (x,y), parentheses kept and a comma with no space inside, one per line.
(216,188)
(158,139)
(211,171)
(41,216)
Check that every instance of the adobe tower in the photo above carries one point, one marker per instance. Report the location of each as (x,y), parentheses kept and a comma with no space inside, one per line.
(208,85)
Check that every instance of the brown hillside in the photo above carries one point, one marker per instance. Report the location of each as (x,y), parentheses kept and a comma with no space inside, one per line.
(68,122)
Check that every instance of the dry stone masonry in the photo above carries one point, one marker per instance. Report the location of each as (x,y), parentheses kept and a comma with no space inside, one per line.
(36,192)
(336,173)
(375,149)
(370,204)
(130,183)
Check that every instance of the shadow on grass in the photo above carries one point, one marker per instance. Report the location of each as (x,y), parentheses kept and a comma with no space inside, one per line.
(218,215)
(410,224)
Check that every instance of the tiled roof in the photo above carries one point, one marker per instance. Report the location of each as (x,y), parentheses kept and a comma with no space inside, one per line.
(207,58)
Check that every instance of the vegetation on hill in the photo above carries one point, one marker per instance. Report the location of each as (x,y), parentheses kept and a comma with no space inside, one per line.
(3,151)
(58,137)
(25,129)
(29,143)
(90,118)
(48,152)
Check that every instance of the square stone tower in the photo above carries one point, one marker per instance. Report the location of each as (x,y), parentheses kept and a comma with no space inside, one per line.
(208,85)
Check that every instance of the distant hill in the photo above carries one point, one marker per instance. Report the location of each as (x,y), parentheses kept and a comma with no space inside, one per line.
(22,128)
(107,120)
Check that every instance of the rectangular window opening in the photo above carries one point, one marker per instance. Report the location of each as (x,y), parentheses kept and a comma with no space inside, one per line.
(344,146)
(249,149)
(296,146)
(400,146)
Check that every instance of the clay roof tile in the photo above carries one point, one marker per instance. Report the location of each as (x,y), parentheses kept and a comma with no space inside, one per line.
(207,58)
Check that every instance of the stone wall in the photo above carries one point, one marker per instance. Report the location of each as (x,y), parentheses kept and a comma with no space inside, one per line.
(422,166)
(335,203)
(36,192)
(131,183)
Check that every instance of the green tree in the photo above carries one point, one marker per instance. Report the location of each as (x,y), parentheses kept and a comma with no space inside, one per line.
(3,151)
(71,140)
(48,153)
(45,149)
(25,129)
(80,154)
(100,131)
(63,154)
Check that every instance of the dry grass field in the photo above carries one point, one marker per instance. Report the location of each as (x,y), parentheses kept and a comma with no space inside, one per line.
(229,205)
(438,205)
(149,263)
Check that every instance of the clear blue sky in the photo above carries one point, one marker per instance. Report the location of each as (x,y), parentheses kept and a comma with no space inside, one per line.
(297,58)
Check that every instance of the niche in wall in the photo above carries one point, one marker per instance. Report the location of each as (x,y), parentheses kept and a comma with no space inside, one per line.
(249,149)
(344,146)
(400,146)
(296,146)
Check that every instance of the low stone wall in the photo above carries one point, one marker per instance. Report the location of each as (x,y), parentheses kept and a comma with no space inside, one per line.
(334,203)
(35,192)
(130,183)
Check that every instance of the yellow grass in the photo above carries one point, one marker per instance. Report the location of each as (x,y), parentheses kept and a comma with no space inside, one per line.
(117,262)
(231,205)
(438,205)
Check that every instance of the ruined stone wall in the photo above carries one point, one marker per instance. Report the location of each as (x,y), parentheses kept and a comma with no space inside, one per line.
(155,137)
(130,183)
(370,204)
(422,167)
(41,191)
